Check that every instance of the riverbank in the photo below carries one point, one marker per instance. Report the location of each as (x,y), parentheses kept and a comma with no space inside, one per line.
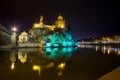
(113,75)
(101,44)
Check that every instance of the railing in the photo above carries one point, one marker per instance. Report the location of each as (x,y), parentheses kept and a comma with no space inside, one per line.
(4,29)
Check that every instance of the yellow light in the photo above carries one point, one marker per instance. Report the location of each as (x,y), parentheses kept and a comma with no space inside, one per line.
(13,66)
(60,22)
(61,66)
(108,51)
(96,48)
(60,73)
(23,60)
(22,57)
(50,65)
(36,67)
(52,27)
(60,17)
(36,25)
(62,26)
(118,51)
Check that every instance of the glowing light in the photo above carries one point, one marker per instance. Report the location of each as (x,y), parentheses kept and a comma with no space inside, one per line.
(60,22)
(50,27)
(48,44)
(104,49)
(36,25)
(36,67)
(22,57)
(60,17)
(13,66)
(14,29)
(56,45)
(96,48)
(55,49)
(23,60)
(54,52)
(50,65)
(108,51)
(118,51)
(61,66)
(60,73)
(48,49)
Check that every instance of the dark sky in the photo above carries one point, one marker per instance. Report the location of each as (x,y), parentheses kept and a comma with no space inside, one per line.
(87,18)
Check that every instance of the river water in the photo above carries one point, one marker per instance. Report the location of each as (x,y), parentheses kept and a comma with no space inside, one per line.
(86,62)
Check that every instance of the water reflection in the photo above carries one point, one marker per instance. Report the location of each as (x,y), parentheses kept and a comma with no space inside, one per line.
(58,63)
(13,59)
(41,59)
(58,53)
(22,56)
(103,48)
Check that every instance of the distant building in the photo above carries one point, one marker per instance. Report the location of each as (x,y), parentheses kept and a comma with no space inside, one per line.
(23,37)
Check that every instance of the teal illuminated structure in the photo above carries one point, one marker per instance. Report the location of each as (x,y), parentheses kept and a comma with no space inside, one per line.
(57,35)
(56,53)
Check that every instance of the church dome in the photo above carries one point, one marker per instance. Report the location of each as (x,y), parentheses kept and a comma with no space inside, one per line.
(60,17)
(24,33)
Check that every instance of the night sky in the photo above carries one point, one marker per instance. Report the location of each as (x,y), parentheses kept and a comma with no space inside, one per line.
(87,18)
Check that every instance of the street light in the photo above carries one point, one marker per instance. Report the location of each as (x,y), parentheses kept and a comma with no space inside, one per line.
(13,37)
(14,29)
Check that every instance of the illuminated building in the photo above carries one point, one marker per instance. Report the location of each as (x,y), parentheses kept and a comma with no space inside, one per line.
(60,23)
(23,37)
(42,35)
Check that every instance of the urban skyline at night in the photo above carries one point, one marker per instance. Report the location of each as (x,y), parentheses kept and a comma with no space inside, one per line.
(86,18)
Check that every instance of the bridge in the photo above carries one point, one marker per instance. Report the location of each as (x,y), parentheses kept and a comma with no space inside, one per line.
(5,36)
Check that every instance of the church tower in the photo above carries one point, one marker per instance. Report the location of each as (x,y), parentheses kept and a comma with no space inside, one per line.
(40,24)
(60,23)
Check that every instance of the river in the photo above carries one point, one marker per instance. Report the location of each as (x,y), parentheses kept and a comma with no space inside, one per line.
(86,62)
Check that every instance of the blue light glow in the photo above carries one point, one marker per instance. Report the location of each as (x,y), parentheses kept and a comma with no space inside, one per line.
(60,52)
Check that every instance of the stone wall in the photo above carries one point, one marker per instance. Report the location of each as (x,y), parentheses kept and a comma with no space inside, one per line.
(28,44)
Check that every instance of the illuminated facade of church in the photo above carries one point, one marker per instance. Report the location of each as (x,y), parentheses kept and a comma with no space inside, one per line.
(42,35)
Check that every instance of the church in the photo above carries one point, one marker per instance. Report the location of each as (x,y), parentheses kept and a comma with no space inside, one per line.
(43,35)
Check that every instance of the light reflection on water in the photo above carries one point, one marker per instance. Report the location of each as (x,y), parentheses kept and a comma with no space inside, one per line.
(42,58)
(103,48)
(58,63)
